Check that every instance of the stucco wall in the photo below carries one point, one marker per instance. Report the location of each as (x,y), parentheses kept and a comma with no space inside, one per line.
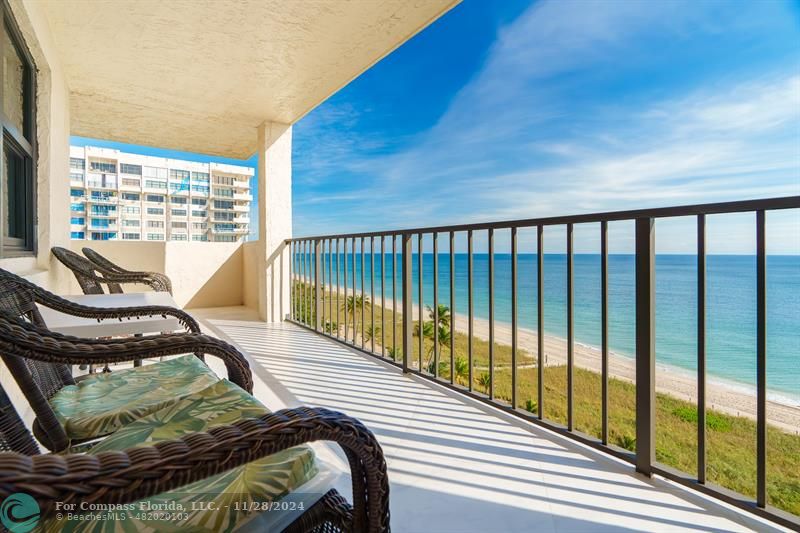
(249,274)
(203,274)
(52,132)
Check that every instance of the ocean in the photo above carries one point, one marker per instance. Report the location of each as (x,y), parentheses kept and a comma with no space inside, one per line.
(730,307)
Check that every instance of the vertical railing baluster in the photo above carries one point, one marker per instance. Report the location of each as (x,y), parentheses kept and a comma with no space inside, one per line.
(394,298)
(645,345)
(570,328)
(346,303)
(701,348)
(514,324)
(761,359)
(303,301)
(452,305)
(383,295)
(330,285)
(292,268)
(318,285)
(372,293)
(408,304)
(470,303)
(421,300)
(604,328)
(338,285)
(355,322)
(435,304)
(363,292)
(491,313)
(540,320)
(323,283)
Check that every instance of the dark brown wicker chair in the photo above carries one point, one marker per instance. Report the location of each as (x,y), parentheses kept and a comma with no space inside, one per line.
(157,281)
(39,359)
(138,473)
(92,278)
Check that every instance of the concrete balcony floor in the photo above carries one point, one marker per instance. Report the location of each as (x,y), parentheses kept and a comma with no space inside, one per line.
(456,465)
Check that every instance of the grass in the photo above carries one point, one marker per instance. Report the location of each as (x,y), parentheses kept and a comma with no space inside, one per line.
(731,440)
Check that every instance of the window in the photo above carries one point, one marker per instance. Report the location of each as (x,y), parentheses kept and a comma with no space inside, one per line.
(76,163)
(200,188)
(155,223)
(200,225)
(104,210)
(131,182)
(130,196)
(223,215)
(126,168)
(131,223)
(228,193)
(155,184)
(157,198)
(17,173)
(77,207)
(179,225)
(225,238)
(100,223)
(76,176)
(77,220)
(199,201)
(131,210)
(179,212)
(155,236)
(103,235)
(77,235)
(103,167)
(199,213)
(178,237)
(223,180)
(178,175)
(178,200)
(155,211)
(223,204)
(154,172)
(224,227)
(76,193)
(199,238)
(131,236)
(200,177)
(177,187)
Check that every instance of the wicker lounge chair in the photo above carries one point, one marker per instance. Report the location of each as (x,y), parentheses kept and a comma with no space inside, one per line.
(92,277)
(159,282)
(68,412)
(166,470)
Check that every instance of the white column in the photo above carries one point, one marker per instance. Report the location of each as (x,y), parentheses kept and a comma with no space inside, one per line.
(274,219)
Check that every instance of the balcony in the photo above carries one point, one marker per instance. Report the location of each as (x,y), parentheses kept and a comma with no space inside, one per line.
(241,184)
(102,199)
(446,451)
(243,196)
(241,208)
(112,213)
(242,219)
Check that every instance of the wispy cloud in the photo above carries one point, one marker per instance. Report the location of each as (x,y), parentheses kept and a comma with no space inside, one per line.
(541,129)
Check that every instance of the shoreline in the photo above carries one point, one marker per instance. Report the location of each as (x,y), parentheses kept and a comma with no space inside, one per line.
(721,395)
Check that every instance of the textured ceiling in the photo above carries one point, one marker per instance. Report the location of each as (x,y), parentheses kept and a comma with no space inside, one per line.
(202,75)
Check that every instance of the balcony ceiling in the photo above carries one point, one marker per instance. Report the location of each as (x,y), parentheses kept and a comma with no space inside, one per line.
(201,76)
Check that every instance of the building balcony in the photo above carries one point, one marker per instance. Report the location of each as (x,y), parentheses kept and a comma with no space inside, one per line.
(241,184)
(102,199)
(103,214)
(130,187)
(243,196)
(241,208)
(242,219)
(101,185)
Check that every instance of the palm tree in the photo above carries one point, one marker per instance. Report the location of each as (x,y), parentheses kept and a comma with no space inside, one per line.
(443,314)
(352,303)
(371,332)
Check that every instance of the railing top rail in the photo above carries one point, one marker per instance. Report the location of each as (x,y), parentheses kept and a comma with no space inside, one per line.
(785,202)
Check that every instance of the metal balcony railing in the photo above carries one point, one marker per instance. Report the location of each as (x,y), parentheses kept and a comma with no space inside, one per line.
(323,272)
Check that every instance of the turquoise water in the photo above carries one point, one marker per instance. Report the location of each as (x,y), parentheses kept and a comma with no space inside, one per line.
(730,307)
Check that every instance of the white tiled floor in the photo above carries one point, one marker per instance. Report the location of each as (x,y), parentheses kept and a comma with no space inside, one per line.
(457,465)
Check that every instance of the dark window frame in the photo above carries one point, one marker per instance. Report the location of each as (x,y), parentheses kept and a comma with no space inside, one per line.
(22,144)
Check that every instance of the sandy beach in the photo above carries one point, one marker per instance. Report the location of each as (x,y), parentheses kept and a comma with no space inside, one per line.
(681,384)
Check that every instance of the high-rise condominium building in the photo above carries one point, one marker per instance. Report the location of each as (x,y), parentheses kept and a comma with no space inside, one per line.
(119,196)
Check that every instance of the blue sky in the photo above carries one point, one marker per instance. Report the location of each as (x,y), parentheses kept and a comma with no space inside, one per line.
(504,110)
(512,109)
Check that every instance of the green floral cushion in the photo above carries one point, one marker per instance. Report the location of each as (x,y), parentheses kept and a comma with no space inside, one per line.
(102,403)
(232,493)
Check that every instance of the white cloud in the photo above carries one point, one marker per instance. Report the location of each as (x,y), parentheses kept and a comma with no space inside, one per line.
(523,138)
